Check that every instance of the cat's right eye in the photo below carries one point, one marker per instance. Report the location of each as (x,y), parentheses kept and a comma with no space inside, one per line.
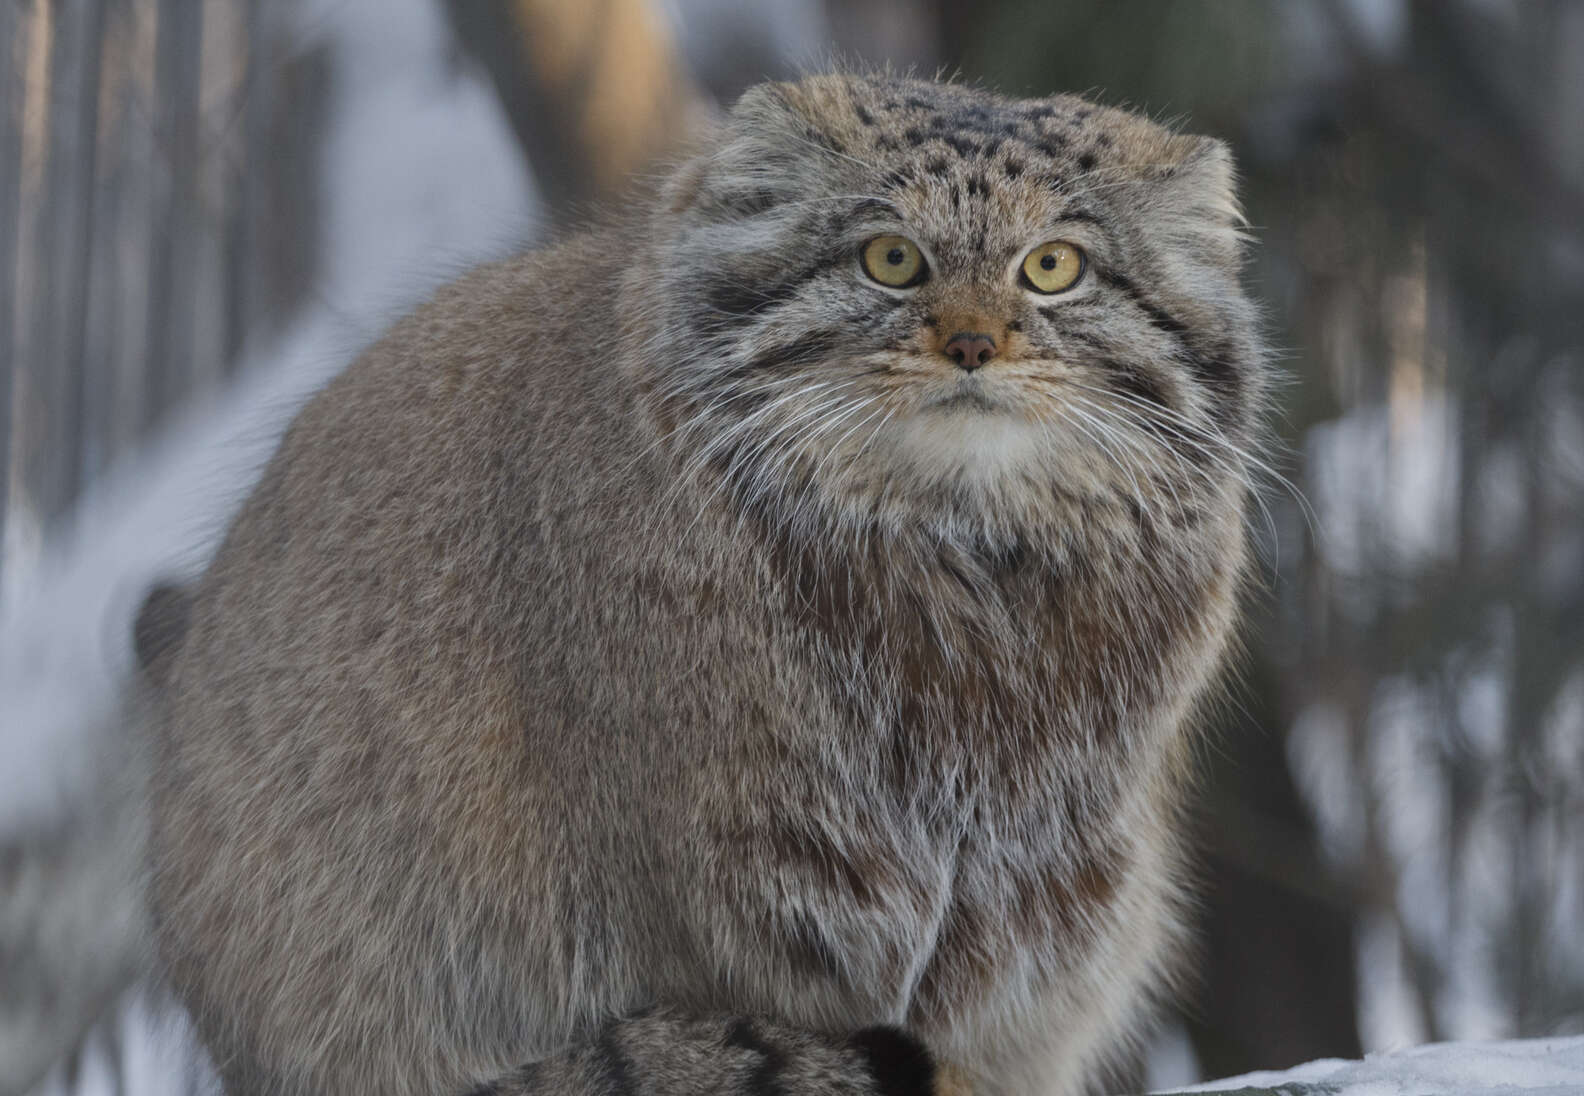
(894,261)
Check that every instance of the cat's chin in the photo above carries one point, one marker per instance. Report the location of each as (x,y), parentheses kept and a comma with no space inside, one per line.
(969,437)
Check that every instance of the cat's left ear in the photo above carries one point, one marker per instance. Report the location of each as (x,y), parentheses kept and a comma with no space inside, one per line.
(1197,187)
(1204,172)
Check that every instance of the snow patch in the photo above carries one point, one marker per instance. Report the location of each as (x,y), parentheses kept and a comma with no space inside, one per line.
(1533,1067)
(421,179)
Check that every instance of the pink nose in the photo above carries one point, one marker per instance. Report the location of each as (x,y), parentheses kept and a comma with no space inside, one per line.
(970,350)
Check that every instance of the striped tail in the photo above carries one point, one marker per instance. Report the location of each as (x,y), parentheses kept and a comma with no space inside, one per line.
(656,1054)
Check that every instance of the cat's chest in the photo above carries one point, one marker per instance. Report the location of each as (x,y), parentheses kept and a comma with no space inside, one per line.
(1026,900)
(1009,729)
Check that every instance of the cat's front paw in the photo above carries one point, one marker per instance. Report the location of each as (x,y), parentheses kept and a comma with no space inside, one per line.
(952,1081)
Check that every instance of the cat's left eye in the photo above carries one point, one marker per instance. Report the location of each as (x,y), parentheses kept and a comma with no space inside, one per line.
(1054,267)
(893,261)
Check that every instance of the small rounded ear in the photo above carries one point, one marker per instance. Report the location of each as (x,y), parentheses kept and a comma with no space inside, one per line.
(1201,174)
(763,106)
(747,163)
(682,189)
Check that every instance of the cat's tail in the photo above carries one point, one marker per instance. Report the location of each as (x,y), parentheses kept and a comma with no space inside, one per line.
(658,1054)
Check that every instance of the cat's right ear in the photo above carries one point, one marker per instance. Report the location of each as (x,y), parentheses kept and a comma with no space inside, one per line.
(747,164)
(763,109)
(681,190)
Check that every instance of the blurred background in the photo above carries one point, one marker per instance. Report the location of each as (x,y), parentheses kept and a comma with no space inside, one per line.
(207,206)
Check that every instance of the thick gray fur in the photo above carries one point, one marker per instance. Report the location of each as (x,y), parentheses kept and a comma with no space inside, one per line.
(654,664)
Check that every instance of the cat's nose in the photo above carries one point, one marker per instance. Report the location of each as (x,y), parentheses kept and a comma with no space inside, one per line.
(970,350)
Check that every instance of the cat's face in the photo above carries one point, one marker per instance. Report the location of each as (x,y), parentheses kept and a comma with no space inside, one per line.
(895,296)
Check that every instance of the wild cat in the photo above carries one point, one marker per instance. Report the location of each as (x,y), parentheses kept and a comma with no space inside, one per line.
(749,646)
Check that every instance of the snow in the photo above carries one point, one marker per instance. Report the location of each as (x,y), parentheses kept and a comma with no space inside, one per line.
(1170,1060)
(1533,1067)
(1383,481)
(422,178)
(1380,767)
(146,1048)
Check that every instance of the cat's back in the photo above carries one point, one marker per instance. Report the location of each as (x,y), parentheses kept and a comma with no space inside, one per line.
(378,676)
(423,476)
(512,369)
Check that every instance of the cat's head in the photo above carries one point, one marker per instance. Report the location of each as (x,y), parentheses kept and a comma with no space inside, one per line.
(909,300)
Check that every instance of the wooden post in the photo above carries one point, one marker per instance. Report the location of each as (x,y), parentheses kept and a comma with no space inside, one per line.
(171,283)
(77,156)
(13,38)
(594,90)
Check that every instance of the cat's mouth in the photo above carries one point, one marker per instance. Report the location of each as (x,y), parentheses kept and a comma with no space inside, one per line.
(968,394)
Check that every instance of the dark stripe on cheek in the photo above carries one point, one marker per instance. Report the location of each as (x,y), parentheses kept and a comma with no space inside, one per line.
(1129,381)
(1084,338)
(1057,313)
(742,298)
(1219,373)
(1134,382)
(1216,371)
(744,403)
(804,350)
(1158,316)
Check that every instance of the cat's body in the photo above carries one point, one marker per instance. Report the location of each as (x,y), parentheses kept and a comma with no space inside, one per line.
(596,645)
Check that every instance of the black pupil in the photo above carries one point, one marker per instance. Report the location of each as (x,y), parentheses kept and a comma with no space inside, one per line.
(1048,262)
(895,256)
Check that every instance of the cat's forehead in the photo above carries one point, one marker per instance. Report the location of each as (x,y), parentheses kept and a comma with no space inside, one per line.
(945,130)
(978,170)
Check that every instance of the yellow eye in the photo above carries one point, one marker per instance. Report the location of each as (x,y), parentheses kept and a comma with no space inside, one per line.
(894,261)
(1054,267)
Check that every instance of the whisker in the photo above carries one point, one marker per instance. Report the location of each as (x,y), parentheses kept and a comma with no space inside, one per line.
(1238,474)
(1216,437)
(687,473)
(756,452)
(1125,466)
(837,444)
(1126,437)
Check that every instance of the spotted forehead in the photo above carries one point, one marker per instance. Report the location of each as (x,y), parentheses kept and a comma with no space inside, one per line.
(915,129)
(978,172)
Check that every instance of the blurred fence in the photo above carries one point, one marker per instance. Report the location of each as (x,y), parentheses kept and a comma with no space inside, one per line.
(156,211)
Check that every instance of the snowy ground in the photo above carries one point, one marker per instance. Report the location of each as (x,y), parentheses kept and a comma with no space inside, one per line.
(1531,1067)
